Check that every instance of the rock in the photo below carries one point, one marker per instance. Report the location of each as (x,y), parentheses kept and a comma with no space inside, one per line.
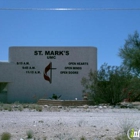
(100,107)
(103,135)
(137,107)
(136,103)
(88,110)
(104,106)
(91,107)
(126,105)
(46,106)
(130,106)
(85,106)
(60,107)
(110,107)
(80,107)
(97,110)
(95,106)
(117,106)
(123,106)
(72,107)
(15,106)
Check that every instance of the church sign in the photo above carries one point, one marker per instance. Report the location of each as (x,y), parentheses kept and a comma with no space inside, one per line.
(39,72)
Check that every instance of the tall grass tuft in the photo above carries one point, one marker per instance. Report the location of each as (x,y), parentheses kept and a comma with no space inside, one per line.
(6,136)
(82,138)
(39,108)
(30,134)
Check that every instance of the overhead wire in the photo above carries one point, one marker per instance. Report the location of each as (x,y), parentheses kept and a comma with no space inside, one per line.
(73,9)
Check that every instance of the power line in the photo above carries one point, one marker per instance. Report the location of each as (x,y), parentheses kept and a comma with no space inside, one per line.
(72,9)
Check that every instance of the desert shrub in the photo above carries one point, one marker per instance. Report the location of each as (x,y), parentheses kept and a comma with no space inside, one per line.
(133,89)
(25,105)
(122,137)
(1,108)
(29,134)
(55,97)
(7,107)
(44,138)
(6,136)
(1,104)
(20,108)
(10,108)
(82,138)
(126,124)
(35,107)
(32,106)
(38,108)
(106,85)
(16,102)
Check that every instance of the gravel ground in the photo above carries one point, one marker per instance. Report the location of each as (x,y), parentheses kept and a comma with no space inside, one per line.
(68,124)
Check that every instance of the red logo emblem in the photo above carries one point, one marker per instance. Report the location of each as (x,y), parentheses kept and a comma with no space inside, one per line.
(48,69)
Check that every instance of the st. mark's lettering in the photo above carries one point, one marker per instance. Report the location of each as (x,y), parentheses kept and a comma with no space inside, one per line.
(50,53)
(56,52)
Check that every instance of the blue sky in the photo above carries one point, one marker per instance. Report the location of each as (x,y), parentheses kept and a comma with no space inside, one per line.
(104,29)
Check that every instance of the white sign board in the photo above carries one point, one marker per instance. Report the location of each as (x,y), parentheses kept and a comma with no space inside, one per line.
(40,72)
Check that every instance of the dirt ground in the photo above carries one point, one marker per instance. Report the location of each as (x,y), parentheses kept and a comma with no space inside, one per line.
(68,124)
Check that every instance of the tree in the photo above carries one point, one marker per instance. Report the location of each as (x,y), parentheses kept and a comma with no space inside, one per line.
(133,89)
(130,53)
(107,84)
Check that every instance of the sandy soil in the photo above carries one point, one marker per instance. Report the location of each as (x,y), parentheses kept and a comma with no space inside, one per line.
(72,124)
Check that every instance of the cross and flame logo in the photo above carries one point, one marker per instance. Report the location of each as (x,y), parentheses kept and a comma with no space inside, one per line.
(47,69)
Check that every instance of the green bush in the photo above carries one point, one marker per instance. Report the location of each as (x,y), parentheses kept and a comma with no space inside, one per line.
(29,134)
(133,89)
(25,105)
(6,136)
(38,108)
(32,106)
(122,137)
(55,97)
(7,107)
(106,85)
(82,138)
(20,108)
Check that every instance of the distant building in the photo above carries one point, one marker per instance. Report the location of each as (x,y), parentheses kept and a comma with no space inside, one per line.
(33,73)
